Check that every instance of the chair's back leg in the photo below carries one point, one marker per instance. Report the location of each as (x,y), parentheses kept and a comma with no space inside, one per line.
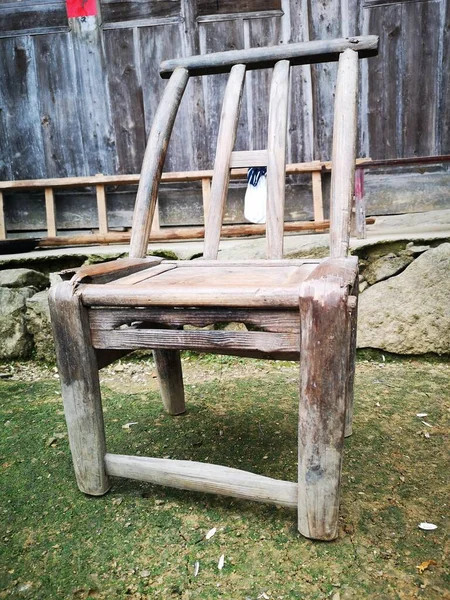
(78,371)
(344,153)
(276,158)
(221,176)
(170,376)
(353,310)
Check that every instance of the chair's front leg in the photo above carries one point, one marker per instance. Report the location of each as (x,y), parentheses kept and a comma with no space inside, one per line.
(324,363)
(80,388)
(170,377)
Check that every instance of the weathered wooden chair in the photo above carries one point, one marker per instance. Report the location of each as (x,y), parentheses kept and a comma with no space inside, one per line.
(303,309)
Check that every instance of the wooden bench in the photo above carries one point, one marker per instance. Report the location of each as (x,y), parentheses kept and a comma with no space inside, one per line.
(303,310)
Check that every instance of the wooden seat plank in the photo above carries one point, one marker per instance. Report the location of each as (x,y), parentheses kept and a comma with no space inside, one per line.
(209,286)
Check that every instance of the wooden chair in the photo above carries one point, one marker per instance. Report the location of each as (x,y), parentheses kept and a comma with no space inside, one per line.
(303,309)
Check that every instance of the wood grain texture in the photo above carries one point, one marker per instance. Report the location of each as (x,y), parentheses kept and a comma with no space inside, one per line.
(59,92)
(70,134)
(353,323)
(213,37)
(25,16)
(128,10)
(21,150)
(359,205)
(317,195)
(257,58)
(153,162)
(93,100)
(2,218)
(143,275)
(116,295)
(420,78)
(296,28)
(385,101)
(101,209)
(225,143)
(256,262)
(203,477)
(202,341)
(50,212)
(195,101)
(248,158)
(324,362)
(122,62)
(261,32)
(109,271)
(170,378)
(80,388)
(153,44)
(180,176)
(206,197)
(214,7)
(225,286)
(324,19)
(181,233)
(443,107)
(344,153)
(276,163)
(277,321)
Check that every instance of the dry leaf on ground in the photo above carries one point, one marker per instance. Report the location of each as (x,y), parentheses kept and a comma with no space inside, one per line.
(426,564)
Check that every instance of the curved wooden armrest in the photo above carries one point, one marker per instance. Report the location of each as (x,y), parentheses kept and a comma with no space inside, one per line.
(108,271)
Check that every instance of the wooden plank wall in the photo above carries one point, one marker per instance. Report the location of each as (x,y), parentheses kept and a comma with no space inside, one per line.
(73,104)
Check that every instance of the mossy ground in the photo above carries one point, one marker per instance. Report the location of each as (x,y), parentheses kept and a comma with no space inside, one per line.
(141,541)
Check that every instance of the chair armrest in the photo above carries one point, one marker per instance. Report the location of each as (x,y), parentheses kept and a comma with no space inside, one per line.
(111,270)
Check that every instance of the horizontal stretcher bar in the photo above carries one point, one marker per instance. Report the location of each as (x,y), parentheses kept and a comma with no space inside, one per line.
(225,342)
(203,477)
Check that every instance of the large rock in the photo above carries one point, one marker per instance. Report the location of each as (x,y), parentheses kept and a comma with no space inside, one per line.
(410,313)
(20,278)
(15,341)
(386,266)
(39,326)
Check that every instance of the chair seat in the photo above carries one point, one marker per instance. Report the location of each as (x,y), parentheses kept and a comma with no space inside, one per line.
(178,284)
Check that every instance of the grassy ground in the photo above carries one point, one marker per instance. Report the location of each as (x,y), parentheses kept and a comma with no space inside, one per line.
(141,541)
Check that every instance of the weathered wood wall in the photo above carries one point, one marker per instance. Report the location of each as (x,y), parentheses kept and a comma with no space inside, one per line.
(79,103)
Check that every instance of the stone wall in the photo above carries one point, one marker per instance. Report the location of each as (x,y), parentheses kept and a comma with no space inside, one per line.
(404,303)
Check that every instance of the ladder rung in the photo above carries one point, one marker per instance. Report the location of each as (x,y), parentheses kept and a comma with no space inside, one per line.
(248,158)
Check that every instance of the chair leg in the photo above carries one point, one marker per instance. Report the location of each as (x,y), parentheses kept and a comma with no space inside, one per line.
(170,376)
(324,360)
(80,388)
(353,308)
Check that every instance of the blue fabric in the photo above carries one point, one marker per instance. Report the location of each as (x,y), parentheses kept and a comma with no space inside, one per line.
(254,175)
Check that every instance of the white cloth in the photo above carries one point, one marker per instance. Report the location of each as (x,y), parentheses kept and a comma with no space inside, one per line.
(255,201)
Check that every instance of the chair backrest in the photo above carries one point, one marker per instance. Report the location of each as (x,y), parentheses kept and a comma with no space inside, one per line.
(237,62)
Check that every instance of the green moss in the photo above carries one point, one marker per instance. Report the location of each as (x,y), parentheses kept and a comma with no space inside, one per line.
(167,254)
(142,541)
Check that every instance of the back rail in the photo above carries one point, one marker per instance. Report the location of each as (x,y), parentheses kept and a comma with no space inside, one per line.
(276,158)
(262,58)
(225,143)
(155,154)
(344,153)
